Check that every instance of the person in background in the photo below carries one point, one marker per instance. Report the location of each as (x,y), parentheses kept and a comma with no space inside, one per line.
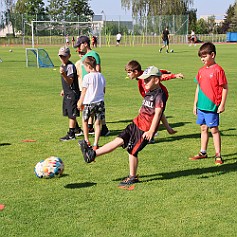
(118,38)
(166,40)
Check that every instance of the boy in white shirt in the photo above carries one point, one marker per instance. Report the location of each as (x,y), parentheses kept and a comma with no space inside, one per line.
(92,99)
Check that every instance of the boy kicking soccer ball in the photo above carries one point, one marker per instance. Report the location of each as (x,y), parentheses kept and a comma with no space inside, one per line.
(140,131)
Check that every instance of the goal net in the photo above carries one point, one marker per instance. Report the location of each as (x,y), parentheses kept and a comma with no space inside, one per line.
(38,58)
(65,28)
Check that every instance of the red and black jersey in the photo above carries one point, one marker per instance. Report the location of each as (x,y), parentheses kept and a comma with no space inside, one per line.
(152,100)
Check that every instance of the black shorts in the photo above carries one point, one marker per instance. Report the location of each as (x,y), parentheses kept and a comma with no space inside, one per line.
(70,106)
(133,140)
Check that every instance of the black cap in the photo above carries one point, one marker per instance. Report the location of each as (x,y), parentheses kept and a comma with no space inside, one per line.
(81,40)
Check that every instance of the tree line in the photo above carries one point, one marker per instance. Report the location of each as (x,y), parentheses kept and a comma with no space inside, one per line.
(22,12)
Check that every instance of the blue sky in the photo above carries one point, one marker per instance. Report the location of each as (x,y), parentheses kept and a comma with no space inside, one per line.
(204,7)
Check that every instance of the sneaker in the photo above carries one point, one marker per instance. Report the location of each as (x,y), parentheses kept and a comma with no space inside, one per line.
(167,51)
(87,151)
(68,137)
(91,131)
(218,160)
(160,50)
(129,181)
(199,156)
(104,131)
(78,132)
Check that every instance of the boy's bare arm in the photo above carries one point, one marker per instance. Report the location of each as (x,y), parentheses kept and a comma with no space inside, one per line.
(69,80)
(80,101)
(221,108)
(156,119)
(195,102)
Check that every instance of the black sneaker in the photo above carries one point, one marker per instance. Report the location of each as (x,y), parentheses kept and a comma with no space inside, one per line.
(88,153)
(68,137)
(104,131)
(78,132)
(129,181)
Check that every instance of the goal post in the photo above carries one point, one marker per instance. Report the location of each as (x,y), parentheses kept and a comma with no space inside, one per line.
(73,28)
(38,58)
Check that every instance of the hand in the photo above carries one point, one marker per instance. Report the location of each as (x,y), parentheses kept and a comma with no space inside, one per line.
(62,93)
(80,106)
(179,75)
(147,135)
(220,109)
(61,70)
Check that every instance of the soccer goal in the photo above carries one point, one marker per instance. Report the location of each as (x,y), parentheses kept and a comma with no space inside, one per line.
(38,58)
(63,28)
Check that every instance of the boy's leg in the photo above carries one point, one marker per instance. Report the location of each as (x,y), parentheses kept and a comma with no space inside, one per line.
(204,137)
(89,154)
(133,164)
(71,133)
(169,129)
(216,140)
(97,132)
(204,142)
(109,147)
(85,130)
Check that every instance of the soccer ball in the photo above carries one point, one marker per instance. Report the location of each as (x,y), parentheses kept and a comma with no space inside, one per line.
(49,168)
(171,50)
(10,50)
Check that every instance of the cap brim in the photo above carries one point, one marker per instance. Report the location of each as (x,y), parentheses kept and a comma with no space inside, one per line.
(76,45)
(61,54)
(142,77)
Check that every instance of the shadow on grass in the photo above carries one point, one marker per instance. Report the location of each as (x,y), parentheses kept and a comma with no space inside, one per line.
(194,135)
(79,185)
(5,144)
(205,172)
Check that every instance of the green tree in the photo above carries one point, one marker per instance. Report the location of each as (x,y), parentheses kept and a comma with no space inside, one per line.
(201,27)
(228,18)
(157,7)
(57,9)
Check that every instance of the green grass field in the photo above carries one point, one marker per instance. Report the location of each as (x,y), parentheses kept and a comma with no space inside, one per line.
(176,196)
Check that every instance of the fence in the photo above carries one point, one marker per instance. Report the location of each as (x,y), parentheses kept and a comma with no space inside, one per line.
(127,40)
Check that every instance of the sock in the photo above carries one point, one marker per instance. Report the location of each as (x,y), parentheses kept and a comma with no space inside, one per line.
(72,131)
(203,152)
(77,125)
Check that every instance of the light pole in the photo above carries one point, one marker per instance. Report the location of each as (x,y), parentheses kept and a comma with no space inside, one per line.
(102,12)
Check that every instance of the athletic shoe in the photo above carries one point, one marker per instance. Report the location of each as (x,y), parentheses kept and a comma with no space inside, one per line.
(91,131)
(199,156)
(78,132)
(129,181)
(160,50)
(87,151)
(104,131)
(218,160)
(68,137)
(167,51)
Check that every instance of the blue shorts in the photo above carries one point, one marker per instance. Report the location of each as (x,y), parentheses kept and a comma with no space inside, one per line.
(211,119)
